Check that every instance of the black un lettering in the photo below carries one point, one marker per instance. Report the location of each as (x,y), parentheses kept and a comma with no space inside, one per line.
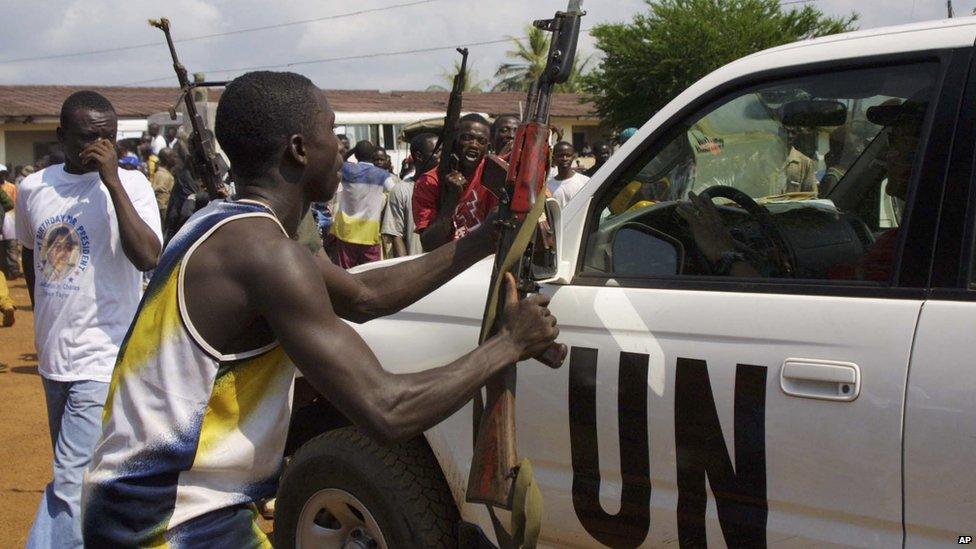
(629,527)
(740,493)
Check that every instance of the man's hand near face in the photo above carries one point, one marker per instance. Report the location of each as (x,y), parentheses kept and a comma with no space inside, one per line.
(139,242)
(101,155)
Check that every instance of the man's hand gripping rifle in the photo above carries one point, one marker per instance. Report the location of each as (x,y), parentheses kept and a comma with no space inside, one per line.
(496,477)
(203,154)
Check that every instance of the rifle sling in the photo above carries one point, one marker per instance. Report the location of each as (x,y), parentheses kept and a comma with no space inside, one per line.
(527,515)
(519,244)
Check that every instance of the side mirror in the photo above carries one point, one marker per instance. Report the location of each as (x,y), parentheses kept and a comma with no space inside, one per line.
(639,250)
(545,252)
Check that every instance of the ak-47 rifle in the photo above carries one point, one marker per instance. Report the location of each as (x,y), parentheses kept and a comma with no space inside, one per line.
(203,155)
(496,477)
(446,143)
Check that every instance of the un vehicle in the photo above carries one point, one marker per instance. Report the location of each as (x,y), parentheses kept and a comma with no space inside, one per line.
(770,301)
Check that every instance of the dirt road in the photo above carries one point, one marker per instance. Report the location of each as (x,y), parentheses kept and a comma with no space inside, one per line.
(25,445)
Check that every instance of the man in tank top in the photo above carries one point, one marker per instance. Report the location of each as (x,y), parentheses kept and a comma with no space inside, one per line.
(197,412)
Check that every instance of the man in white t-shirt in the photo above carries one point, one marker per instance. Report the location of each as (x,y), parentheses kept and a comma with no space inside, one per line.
(87,228)
(158,142)
(567,181)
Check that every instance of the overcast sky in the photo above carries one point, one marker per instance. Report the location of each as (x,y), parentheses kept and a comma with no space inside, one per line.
(35,29)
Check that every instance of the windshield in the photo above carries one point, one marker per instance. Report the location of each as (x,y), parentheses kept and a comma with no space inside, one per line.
(785,142)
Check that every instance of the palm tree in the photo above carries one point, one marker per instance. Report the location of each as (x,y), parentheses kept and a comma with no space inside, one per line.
(530,61)
(471,81)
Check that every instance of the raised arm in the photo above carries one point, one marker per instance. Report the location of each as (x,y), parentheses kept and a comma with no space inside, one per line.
(339,364)
(139,243)
(379,292)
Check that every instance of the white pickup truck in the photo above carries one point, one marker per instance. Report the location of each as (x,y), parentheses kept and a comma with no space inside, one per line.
(792,363)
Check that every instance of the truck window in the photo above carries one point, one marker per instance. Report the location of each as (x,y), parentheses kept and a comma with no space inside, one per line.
(802,178)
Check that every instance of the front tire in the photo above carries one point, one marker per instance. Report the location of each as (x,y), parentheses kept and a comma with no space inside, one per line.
(342,486)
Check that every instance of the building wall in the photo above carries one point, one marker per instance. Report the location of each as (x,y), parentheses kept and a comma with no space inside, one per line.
(19,142)
(590,129)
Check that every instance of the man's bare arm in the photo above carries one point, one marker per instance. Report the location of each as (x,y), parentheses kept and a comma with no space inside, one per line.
(440,231)
(379,292)
(399,246)
(339,364)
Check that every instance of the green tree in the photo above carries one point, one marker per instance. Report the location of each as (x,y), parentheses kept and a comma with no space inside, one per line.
(529,60)
(650,60)
(471,81)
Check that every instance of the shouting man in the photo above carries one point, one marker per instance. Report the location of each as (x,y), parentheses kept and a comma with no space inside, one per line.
(448,210)
(88,228)
(196,420)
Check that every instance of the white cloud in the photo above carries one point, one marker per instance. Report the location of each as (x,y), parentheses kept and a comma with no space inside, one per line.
(43,28)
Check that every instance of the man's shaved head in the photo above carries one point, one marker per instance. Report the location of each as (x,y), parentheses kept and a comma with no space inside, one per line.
(258,113)
(475,117)
(85,100)
(365,151)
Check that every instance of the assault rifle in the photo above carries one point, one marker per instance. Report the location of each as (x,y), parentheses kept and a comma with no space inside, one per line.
(496,477)
(446,142)
(203,156)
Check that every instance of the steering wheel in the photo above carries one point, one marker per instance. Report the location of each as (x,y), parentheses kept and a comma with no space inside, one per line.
(781,253)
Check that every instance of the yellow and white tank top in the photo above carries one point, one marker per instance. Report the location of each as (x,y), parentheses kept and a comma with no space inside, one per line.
(186,429)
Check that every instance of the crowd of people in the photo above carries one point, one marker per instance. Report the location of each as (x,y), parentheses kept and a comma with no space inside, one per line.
(129,221)
(375,214)
(378,213)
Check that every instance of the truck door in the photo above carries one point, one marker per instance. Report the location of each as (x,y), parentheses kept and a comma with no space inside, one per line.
(940,412)
(738,367)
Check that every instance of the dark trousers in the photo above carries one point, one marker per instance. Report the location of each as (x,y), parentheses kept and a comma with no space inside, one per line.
(10,259)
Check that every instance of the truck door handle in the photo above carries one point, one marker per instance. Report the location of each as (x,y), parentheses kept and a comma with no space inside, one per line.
(820,379)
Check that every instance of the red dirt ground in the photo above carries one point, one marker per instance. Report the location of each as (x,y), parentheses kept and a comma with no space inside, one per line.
(25,445)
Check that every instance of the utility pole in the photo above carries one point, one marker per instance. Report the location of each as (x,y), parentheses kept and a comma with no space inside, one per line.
(949,6)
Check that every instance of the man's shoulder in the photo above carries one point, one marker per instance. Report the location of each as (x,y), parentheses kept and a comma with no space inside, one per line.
(430,177)
(267,243)
(35,181)
(275,259)
(361,169)
(133,177)
(135,183)
(402,188)
(581,178)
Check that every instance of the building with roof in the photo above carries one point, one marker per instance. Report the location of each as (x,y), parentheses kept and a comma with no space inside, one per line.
(29,114)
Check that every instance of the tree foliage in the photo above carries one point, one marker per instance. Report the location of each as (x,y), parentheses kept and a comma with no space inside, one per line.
(472,83)
(529,60)
(650,60)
